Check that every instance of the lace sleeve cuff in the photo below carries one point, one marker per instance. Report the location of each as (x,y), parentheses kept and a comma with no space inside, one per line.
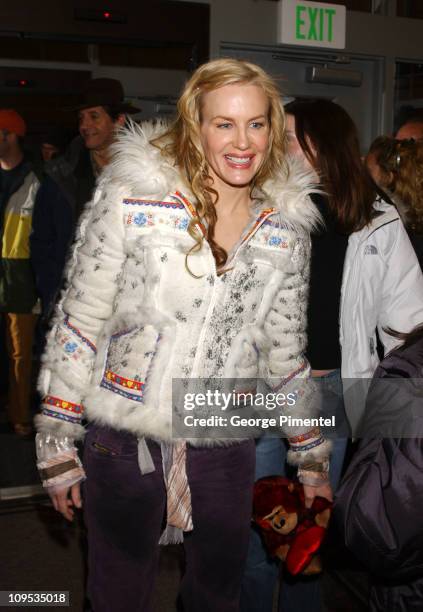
(309,447)
(58,462)
(314,473)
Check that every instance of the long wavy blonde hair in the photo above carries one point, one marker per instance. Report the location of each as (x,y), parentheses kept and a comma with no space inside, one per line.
(182,142)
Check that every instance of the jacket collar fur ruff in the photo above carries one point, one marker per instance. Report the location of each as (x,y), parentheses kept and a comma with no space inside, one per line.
(144,171)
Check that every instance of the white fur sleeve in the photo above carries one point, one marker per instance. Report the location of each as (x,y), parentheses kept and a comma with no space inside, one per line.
(286,320)
(92,282)
(286,370)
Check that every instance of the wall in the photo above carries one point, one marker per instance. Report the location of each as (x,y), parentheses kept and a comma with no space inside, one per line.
(172,34)
(136,81)
(254,22)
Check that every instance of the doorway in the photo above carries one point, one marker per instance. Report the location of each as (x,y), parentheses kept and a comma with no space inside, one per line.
(293,69)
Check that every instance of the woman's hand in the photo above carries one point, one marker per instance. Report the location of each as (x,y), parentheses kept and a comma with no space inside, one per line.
(323,490)
(64,503)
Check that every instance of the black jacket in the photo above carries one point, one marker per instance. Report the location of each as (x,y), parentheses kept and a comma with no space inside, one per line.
(379,504)
(69,184)
(73,174)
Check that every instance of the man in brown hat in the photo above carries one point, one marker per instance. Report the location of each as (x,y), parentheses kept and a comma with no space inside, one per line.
(71,181)
(102,111)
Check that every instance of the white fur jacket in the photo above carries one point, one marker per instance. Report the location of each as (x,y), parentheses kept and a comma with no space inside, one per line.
(133,318)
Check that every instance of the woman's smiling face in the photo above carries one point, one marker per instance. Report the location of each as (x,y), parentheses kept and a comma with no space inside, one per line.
(235,133)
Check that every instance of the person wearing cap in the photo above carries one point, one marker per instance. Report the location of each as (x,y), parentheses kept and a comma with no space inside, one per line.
(18,187)
(71,181)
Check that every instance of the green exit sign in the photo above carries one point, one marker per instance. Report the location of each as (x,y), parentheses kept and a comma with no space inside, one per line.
(314,24)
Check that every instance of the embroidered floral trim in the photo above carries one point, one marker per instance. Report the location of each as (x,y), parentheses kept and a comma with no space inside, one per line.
(71,348)
(62,417)
(62,409)
(272,234)
(76,331)
(125,382)
(191,209)
(274,222)
(305,447)
(62,404)
(127,387)
(153,203)
(270,239)
(151,219)
(295,373)
(313,433)
(264,213)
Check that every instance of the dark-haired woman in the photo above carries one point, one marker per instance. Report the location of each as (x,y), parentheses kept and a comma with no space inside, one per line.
(364,276)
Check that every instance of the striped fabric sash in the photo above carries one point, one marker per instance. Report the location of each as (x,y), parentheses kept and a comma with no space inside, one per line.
(179,511)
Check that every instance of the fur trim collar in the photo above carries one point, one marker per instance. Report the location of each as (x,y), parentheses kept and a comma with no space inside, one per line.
(142,169)
(290,194)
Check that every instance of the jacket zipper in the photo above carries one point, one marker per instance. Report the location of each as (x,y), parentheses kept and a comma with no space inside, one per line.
(264,214)
(192,213)
(190,209)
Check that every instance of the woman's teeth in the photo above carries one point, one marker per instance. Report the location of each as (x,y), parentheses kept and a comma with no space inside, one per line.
(238,160)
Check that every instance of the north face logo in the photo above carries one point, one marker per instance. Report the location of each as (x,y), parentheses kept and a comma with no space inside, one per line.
(370,250)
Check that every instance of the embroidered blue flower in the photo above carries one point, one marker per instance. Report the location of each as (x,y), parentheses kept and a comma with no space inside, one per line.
(183,224)
(70,347)
(140,219)
(275,241)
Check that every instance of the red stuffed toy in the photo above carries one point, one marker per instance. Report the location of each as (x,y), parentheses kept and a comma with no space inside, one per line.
(291,532)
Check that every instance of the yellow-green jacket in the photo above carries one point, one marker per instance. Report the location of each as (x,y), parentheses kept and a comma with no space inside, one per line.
(17,287)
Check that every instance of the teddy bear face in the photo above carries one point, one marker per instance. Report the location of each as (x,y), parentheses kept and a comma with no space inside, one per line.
(281,521)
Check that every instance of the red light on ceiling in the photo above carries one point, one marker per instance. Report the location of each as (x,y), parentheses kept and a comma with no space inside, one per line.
(101,15)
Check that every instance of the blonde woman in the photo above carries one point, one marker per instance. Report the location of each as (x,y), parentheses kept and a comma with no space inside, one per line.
(192,264)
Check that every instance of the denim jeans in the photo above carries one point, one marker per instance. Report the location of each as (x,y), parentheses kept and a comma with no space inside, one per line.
(299,594)
(124,512)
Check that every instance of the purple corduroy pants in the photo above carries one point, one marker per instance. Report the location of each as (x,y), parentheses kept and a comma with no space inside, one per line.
(124,512)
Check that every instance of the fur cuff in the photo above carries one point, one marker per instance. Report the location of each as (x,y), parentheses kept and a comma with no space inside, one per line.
(318,453)
(46,424)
